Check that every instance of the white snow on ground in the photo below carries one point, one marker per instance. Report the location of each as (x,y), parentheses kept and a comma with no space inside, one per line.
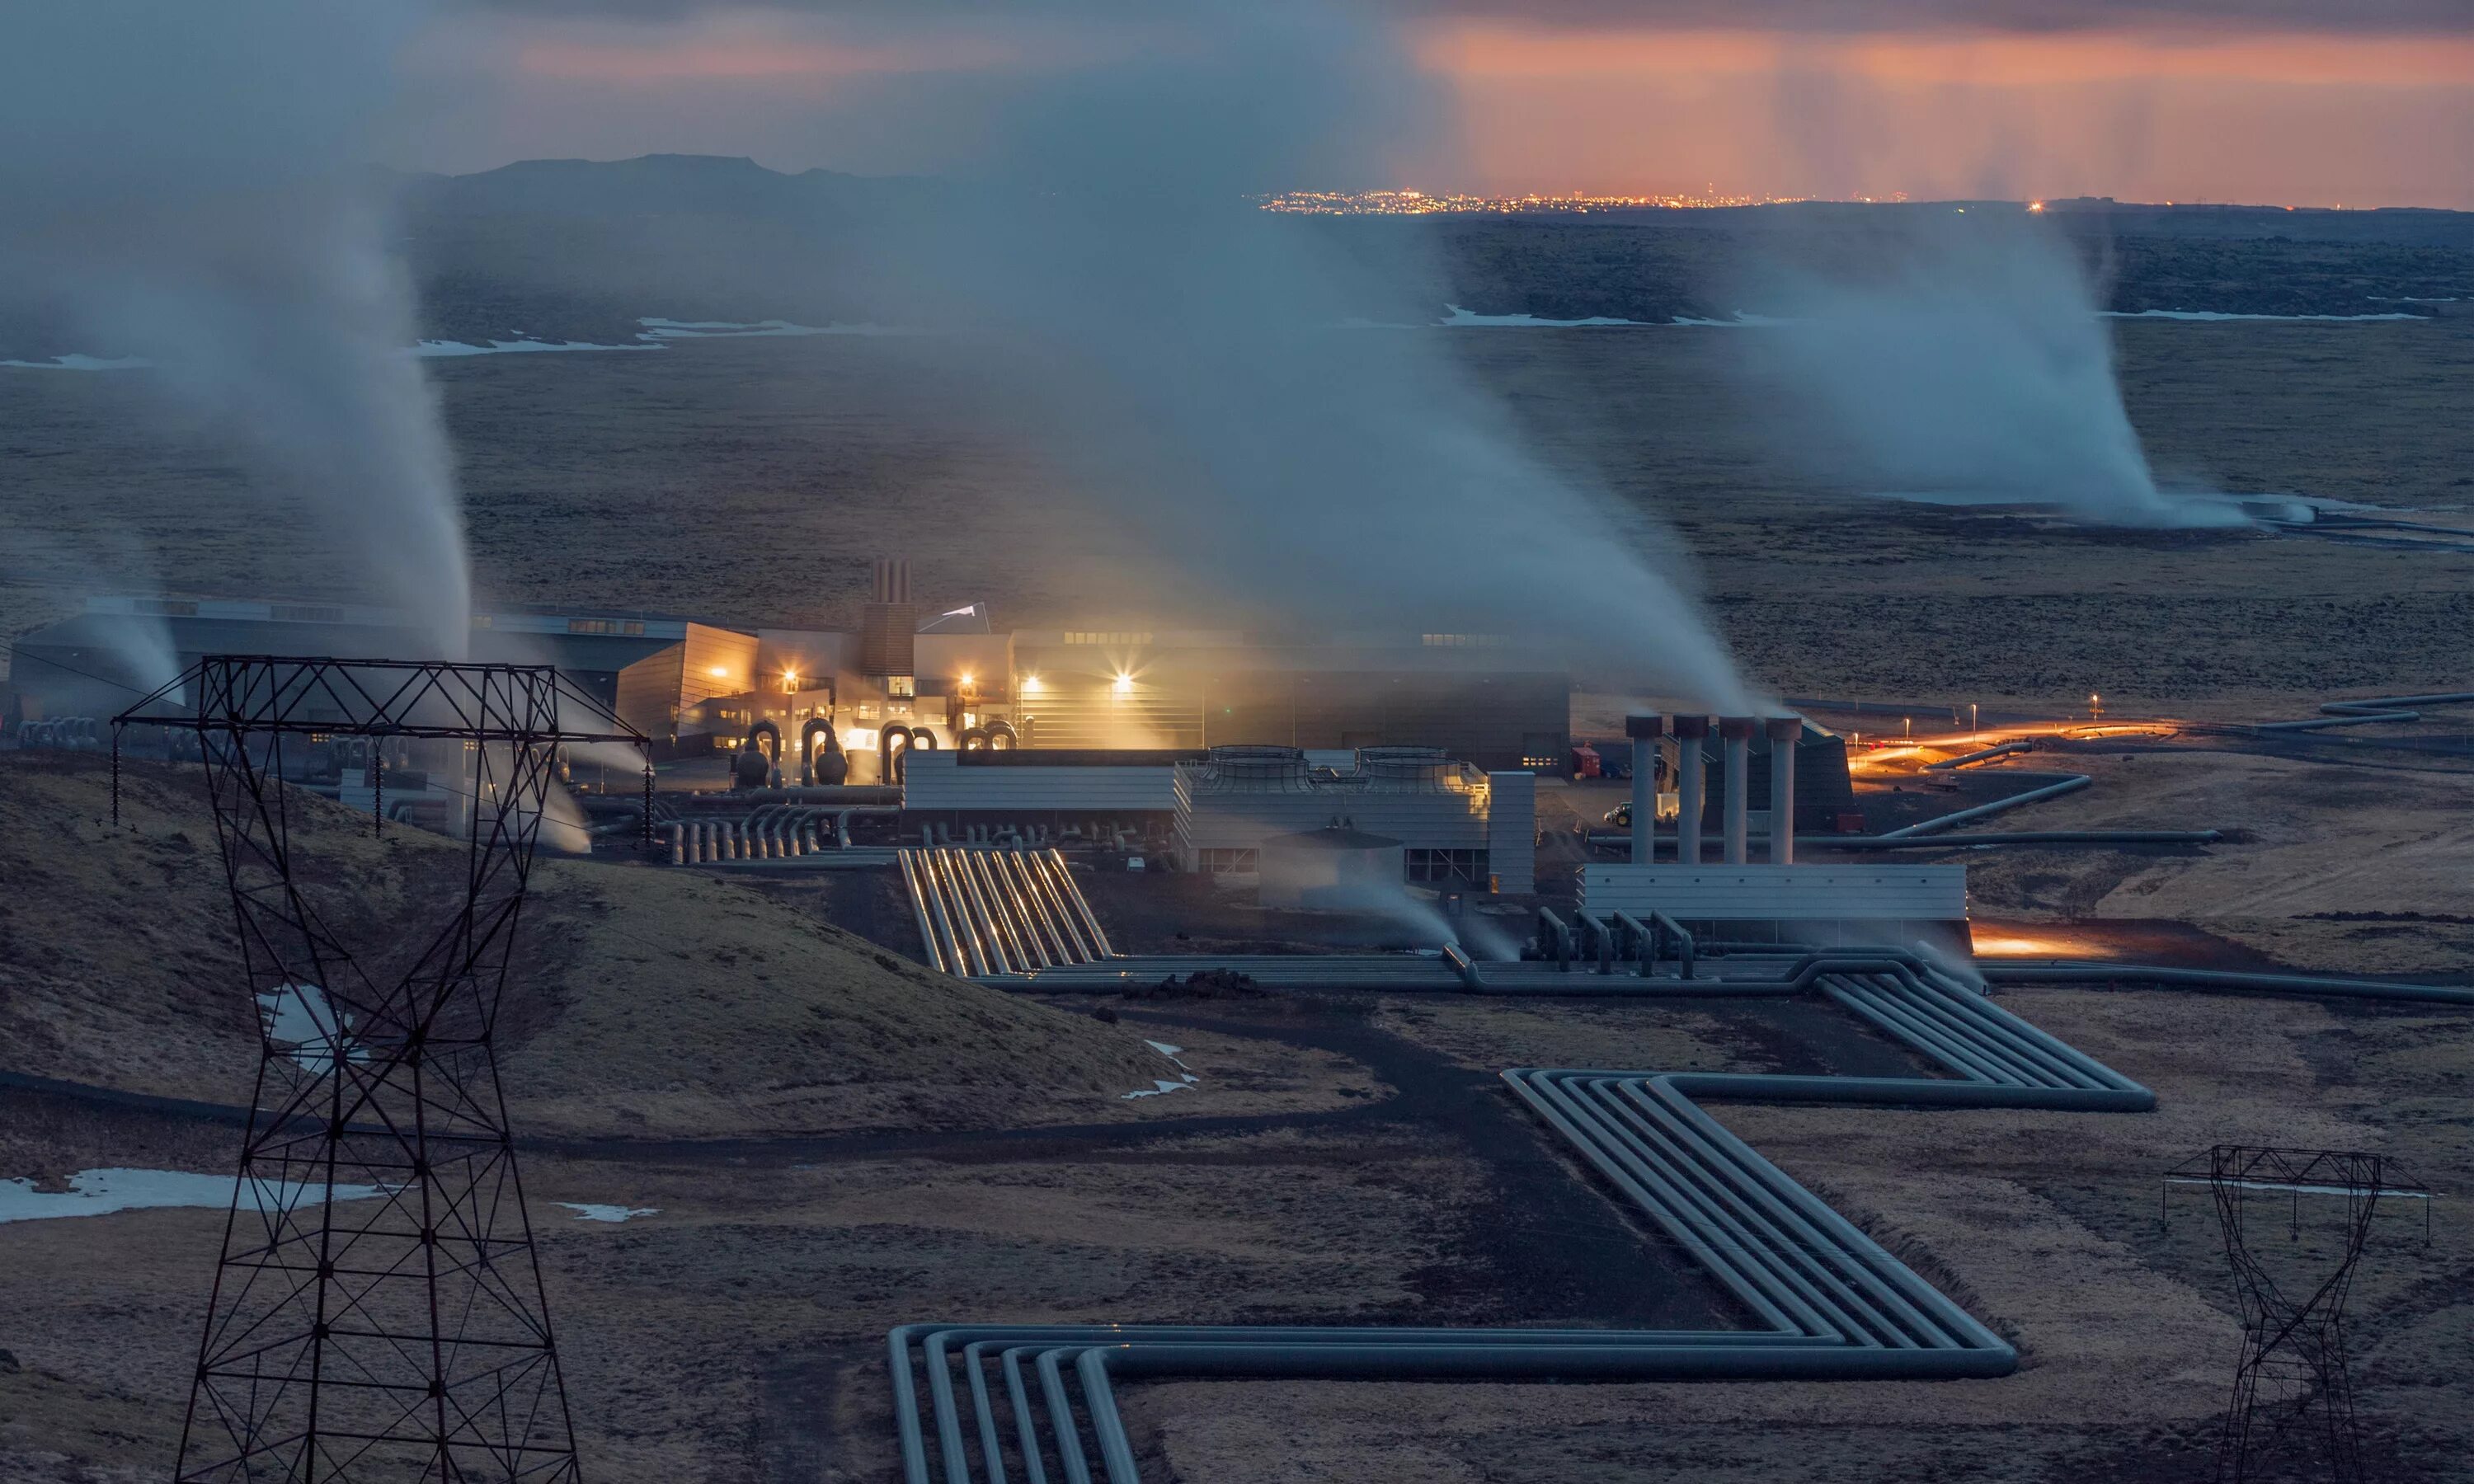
(1459,317)
(2212,315)
(1741,321)
(301,1018)
(101,1192)
(586,1211)
(84,362)
(1162,1085)
(446,347)
(656,328)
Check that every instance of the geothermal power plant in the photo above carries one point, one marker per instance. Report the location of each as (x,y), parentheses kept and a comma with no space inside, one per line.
(1039,801)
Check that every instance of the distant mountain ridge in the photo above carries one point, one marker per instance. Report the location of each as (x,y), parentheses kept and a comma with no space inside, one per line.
(583,251)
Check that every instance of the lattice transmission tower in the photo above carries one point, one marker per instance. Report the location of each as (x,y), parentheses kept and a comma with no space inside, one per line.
(2293,1391)
(398,1331)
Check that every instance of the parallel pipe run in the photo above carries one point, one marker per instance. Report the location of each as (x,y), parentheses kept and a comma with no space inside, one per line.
(2229,981)
(997,914)
(1829,1302)
(1940,842)
(2376,708)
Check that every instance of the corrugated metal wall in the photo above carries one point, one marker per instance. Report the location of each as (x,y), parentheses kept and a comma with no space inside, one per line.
(1756,894)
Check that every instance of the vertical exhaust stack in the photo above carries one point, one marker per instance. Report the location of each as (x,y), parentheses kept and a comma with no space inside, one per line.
(1644,733)
(1690,793)
(1737,731)
(1784,732)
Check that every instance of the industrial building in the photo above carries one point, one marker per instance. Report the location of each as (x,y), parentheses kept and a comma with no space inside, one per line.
(907,674)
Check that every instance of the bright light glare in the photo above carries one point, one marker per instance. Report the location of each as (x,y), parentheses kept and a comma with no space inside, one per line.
(969,677)
(721,671)
(1124,682)
(1030,684)
(2029,945)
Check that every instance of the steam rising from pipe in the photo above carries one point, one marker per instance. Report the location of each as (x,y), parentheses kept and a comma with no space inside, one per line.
(189,182)
(1180,348)
(1961,363)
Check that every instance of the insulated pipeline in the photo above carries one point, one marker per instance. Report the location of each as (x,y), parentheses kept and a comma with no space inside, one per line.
(1829,1302)
(2069,783)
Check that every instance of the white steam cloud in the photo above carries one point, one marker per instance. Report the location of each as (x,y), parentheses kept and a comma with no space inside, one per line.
(1178,347)
(1964,364)
(189,183)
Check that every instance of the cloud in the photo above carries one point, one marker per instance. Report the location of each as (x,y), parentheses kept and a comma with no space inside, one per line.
(1810,17)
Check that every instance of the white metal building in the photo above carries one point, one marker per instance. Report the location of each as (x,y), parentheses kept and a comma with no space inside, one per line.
(1446,814)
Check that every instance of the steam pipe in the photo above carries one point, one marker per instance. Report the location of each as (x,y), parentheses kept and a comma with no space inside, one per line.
(1645,729)
(1690,773)
(1785,733)
(1982,754)
(2231,981)
(1829,1300)
(2069,783)
(1736,731)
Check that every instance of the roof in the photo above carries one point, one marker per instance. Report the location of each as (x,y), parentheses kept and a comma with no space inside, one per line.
(1331,837)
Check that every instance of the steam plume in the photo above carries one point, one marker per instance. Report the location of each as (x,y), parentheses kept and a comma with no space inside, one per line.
(1181,348)
(1962,363)
(189,182)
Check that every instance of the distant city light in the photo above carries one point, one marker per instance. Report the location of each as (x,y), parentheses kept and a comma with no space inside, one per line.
(2036,205)
(1429,204)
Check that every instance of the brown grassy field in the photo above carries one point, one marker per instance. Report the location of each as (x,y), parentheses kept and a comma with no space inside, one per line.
(736,1334)
(751,480)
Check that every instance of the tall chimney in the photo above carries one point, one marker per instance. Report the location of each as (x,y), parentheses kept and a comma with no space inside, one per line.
(1784,732)
(1645,730)
(1737,731)
(887,623)
(1689,793)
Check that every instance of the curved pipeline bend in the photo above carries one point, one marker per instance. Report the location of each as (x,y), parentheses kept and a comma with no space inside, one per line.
(1831,1302)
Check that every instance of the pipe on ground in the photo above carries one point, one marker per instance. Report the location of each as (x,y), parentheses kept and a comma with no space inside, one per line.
(1827,1301)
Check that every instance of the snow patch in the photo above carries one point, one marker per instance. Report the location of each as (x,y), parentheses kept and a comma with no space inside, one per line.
(101,1192)
(1160,1085)
(585,1210)
(452,347)
(658,328)
(83,363)
(1459,317)
(298,1020)
(2210,315)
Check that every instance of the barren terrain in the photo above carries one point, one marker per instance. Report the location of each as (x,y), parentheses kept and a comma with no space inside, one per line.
(832,1141)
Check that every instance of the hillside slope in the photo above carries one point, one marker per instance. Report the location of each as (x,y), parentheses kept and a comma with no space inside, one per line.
(645,1001)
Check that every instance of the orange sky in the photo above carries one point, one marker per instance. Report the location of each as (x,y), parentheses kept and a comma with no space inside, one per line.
(2254,114)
